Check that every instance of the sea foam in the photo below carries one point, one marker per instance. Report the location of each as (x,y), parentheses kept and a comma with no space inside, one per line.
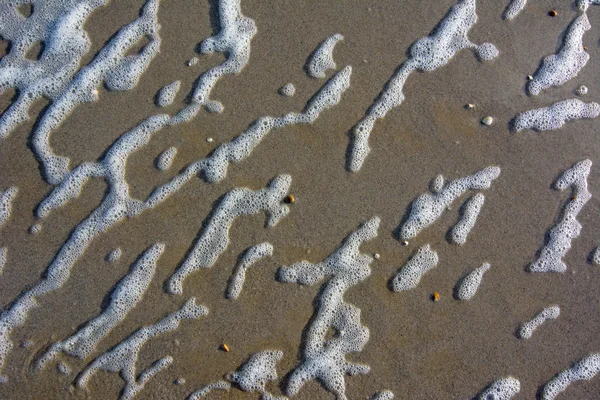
(324,359)
(514,8)
(526,330)
(165,159)
(502,389)
(410,274)
(250,256)
(584,369)
(567,228)
(322,58)
(205,390)
(467,286)
(554,117)
(465,224)
(6,200)
(166,95)
(256,371)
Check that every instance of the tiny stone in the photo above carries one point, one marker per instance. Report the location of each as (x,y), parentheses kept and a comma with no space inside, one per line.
(209,140)
(180,381)
(581,90)
(529,77)
(35,229)
(289,199)
(376,256)
(404,243)
(487,121)
(553,13)
(470,106)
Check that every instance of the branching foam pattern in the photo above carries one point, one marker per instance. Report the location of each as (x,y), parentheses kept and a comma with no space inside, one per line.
(323,359)
(250,256)
(410,275)
(526,330)
(584,369)
(426,54)
(123,357)
(467,287)
(428,207)
(322,58)
(558,68)
(126,295)
(568,228)
(554,117)
(256,371)
(215,237)
(502,389)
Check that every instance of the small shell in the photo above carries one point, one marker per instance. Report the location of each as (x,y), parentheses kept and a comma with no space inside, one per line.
(470,106)
(529,77)
(553,13)
(585,48)
(435,296)
(209,139)
(404,243)
(289,199)
(225,348)
(376,256)
(487,121)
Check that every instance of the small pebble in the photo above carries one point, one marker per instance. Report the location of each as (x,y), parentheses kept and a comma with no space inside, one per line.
(209,139)
(529,77)
(470,106)
(581,90)
(435,296)
(289,199)
(585,48)
(553,13)
(35,229)
(225,348)
(192,61)
(180,381)
(376,256)
(487,121)
(404,243)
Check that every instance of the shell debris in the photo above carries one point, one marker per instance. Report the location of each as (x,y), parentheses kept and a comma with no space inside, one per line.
(435,296)
(225,348)
(487,121)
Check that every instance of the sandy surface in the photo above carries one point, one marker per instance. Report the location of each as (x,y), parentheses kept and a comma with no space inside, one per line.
(417,348)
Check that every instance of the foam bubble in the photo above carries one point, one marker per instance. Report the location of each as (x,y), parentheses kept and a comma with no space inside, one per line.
(202,392)
(383,395)
(288,90)
(322,58)
(410,275)
(215,237)
(166,95)
(467,286)
(123,357)
(554,117)
(165,159)
(428,207)
(63,368)
(470,212)
(126,295)
(35,229)
(526,330)
(425,55)
(568,228)
(584,369)
(3,257)
(581,90)
(514,8)
(114,255)
(558,68)
(256,371)
(502,389)
(6,199)
(324,359)
(596,256)
(250,256)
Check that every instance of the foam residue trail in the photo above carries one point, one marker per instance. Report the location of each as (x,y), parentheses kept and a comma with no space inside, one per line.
(526,330)
(166,95)
(165,159)
(553,117)
(428,207)
(117,203)
(467,286)
(324,359)
(256,371)
(6,199)
(584,369)
(250,256)
(203,391)
(410,274)
(113,68)
(126,295)
(514,8)
(568,228)
(215,236)
(470,212)
(322,58)
(502,389)
(123,357)
(558,68)
(383,395)
(425,55)
(59,26)
(3,257)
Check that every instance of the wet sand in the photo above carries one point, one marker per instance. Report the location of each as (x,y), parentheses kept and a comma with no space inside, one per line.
(418,349)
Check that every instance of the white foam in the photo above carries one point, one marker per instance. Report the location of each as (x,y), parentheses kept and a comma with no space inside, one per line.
(322,58)
(584,369)
(554,117)
(165,159)
(215,236)
(256,371)
(526,330)
(581,90)
(558,68)
(324,359)
(125,296)
(35,229)
(63,368)
(166,95)
(383,395)
(410,275)
(203,391)
(3,257)
(288,90)
(463,227)
(568,228)
(250,256)
(428,207)
(114,255)
(6,199)
(502,389)
(583,5)
(425,55)
(467,286)
(514,8)
(123,357)
(596,256)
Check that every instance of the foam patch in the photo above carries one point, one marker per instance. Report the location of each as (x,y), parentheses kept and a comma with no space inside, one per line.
(322,58)
(567,228)
(514,8)
(410,275)
(384,395)
(3,257)
(288,90)
(249,257)
(324,359)
(204,391)
(555,116)
(165,159)
(502,389)
(6,199)
(114,255)
(584,369)
(465,224)
(526,330)
(596,256)
(256,371)
(467,287)
(167,94)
